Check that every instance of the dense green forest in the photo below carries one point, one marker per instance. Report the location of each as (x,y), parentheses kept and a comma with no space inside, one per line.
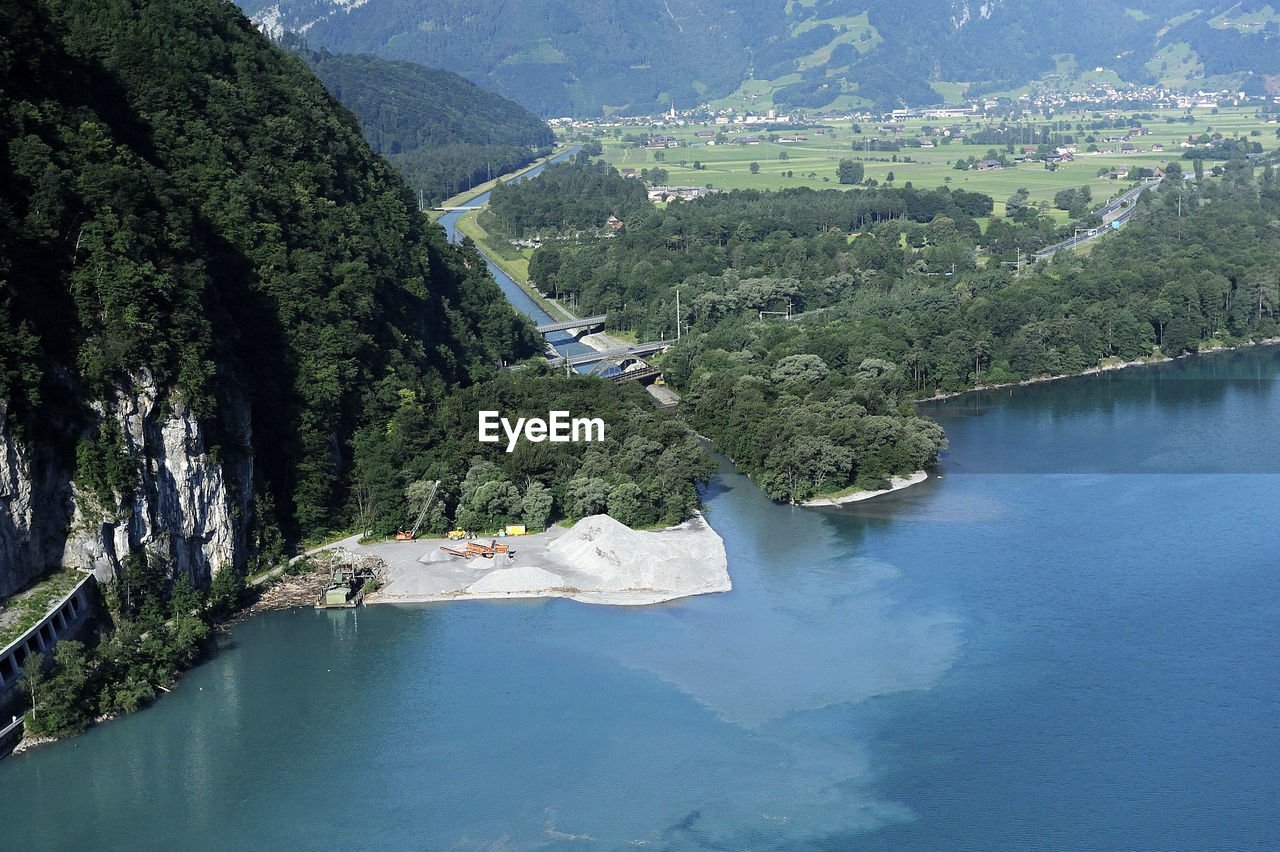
(788,246)
(186,207)
(188,200)
(901,293)
(442,132)
(566,198)
(643,473)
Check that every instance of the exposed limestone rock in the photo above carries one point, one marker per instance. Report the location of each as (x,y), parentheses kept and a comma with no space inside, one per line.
(35,504)
(184,508)
(188,505)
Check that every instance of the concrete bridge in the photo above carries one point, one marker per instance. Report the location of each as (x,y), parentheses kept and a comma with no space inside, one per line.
(570,325)
(637,349)
(455,209)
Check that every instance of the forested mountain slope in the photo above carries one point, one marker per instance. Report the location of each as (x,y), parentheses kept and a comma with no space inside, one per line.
(225,328)
(444,133)
(208,283)
(569,57)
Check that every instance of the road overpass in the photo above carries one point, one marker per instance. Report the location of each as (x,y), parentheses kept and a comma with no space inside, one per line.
(637,350)
(570,325)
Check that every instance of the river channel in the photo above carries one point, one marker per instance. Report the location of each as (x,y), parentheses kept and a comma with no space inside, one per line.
(564,342)
(1064,640)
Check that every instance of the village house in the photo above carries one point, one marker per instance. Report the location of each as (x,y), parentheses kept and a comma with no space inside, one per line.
(671,193)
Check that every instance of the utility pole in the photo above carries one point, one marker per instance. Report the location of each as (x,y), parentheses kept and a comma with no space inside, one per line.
(677,315)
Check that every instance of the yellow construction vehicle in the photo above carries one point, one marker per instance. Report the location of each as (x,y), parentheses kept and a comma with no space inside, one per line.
(457,535)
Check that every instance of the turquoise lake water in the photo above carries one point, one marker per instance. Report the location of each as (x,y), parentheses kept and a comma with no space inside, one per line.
(1067,640)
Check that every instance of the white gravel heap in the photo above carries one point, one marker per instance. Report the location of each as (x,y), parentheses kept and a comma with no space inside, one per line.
(528,578)
(622,559)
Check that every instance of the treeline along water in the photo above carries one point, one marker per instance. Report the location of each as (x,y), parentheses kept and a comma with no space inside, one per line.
(564,343)
(1064,640)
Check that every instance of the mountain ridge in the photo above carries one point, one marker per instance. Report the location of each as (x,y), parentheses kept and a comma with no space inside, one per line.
(568,58)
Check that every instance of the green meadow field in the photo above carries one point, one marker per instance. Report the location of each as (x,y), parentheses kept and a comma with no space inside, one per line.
(813,162)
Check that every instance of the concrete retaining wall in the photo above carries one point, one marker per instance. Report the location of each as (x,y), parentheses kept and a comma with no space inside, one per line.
(70,619)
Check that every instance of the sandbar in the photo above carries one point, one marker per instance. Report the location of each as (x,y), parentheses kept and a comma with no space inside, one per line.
(895,483)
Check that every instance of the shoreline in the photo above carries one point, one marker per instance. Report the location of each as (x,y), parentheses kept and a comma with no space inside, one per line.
(1104,368)
(896,483)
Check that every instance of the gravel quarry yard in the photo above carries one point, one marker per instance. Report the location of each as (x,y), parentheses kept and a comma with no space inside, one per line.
(598,560)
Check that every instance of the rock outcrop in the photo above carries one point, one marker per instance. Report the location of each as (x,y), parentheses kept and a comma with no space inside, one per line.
(35,503)
(189,504)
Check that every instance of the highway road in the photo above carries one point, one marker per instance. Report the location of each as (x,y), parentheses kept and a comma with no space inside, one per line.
(1114,215)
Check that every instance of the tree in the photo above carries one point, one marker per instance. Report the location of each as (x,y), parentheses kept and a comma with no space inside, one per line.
(849,172)
(754,168)
(1263,291)
(807,369)
(535,506)
(60,701)
(624,503)
(587,496)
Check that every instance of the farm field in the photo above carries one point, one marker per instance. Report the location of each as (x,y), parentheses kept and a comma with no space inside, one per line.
(813,162)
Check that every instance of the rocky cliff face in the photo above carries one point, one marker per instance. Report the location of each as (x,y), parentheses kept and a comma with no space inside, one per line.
(190,505)
(35,501)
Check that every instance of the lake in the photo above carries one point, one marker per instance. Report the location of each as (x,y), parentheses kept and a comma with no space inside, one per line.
(1066,639)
